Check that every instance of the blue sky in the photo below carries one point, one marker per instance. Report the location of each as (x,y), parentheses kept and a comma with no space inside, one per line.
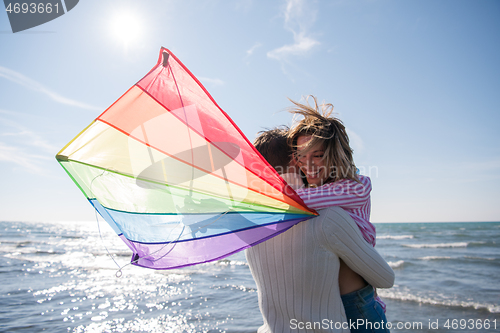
(415,82)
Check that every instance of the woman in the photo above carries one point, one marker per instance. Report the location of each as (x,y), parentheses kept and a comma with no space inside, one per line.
(299,276)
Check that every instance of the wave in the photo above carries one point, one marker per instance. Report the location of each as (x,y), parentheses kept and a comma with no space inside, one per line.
(402,296)
(125,254)
(439,245)
(456,258)
(434,258)
(228,262)
(395,237)
(480,258)
(445,245)
(47,252)
(23,243)
(396,264)
(235,287)
(71,236)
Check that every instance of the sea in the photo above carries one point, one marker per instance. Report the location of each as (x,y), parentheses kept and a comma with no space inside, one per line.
(76,277)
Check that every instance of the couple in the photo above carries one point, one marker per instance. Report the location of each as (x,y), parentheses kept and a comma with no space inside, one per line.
(320,275)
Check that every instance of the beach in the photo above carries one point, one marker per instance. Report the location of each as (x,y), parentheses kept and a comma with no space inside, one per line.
(59,277)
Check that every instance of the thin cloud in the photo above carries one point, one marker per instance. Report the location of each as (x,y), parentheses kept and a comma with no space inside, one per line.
(20,157)
(251,50)
(33,140)
(31,84)
(7,112)
(299,16)
(302,45)
(25,136)
(214,82)
(26,148)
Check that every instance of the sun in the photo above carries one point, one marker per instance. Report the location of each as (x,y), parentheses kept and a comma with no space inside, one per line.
(126,27)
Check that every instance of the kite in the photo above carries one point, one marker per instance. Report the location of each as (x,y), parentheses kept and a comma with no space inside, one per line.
(175,177)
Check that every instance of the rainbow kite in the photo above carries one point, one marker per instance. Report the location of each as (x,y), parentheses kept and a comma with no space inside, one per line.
(175,177)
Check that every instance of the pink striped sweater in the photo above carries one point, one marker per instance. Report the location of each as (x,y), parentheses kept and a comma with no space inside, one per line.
(350,195)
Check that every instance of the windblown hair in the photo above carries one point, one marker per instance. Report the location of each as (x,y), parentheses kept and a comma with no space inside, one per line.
(329,131)
(273,146)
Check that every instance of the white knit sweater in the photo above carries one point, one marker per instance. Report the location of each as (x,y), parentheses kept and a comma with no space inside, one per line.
(297,272)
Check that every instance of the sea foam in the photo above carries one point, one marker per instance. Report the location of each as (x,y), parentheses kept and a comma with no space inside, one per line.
(406,296)
(434,258)
(438,245)
(396,264)
(395,237)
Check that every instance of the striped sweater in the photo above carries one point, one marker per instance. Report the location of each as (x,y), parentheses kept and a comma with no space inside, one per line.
(348,194)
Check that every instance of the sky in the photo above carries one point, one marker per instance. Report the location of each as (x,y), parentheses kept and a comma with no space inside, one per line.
(415,82)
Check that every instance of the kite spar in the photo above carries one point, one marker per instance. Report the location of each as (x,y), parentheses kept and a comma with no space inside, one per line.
(173,175)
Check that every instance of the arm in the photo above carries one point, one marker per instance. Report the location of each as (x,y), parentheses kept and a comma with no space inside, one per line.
(340,234)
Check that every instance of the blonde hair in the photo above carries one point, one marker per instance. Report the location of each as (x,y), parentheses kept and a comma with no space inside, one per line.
(327,130)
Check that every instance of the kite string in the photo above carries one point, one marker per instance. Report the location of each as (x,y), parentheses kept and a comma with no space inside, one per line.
(174,241)
(119,273)
(180,235)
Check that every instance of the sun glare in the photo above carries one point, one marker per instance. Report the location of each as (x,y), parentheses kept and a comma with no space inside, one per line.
(126,27)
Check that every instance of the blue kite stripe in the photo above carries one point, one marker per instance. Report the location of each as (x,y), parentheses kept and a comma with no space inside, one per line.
(166,228)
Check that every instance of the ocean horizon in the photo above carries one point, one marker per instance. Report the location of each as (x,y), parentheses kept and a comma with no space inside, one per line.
(66,276)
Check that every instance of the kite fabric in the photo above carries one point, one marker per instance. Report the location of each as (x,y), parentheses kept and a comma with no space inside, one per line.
(174,177)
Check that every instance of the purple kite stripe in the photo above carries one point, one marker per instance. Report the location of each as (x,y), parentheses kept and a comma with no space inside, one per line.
(177,255)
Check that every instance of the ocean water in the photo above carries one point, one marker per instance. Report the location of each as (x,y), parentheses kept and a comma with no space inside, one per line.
(59,277)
